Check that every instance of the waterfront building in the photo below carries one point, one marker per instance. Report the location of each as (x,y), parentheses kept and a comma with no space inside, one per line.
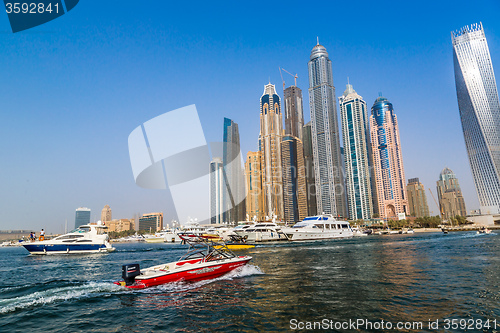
(294,112)
(234,194)
(387,161)
(253,177)
(356,138)
(106,214)
(309,170)
(417,200)
(479,112)
(451,200)
(294,179)
(271,131)
(82,216)
(151,222)
(121,225)
(216,191)
(330,185)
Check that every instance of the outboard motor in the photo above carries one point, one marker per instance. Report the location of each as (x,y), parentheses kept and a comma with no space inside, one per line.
(129,272)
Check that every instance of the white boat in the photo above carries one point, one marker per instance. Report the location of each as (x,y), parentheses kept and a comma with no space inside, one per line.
(164,236)
(261,232)
(85,239)
(357,232)
(484,231)
(323,226)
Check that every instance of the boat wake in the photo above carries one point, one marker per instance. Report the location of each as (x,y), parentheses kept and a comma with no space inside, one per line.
(58,294)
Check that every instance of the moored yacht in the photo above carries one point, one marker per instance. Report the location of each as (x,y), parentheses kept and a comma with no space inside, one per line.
(323,226)
(261,232)
(89,238)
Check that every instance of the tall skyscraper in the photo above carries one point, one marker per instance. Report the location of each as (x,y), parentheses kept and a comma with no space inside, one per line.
(255,197)
(106,214)
(294,179)
(309,170)
(234,195)
(451,200)
(417,200)
(330,186)
(271,131)
(387,160)
(151,222)
(294,112)
(216,190)
(356,135)
(479,111)
(82,216)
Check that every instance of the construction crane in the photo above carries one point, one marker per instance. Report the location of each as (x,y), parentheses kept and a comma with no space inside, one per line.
(294,76)
(282,78)
(439,207)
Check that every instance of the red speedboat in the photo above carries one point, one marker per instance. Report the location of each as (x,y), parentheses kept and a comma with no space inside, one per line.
(205,259)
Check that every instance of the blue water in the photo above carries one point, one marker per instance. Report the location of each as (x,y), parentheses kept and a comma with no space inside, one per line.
(395,278)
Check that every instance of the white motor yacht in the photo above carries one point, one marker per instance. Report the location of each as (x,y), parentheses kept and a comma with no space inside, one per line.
(261,232)
(164,236)
(89,238)
(323,226)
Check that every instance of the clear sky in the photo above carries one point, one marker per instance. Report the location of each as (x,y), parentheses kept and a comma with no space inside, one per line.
(72,90)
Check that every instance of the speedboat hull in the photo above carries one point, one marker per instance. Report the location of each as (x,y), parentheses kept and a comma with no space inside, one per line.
(67,249)
(188,270)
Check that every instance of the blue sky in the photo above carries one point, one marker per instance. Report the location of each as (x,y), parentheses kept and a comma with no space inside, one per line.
(73,89)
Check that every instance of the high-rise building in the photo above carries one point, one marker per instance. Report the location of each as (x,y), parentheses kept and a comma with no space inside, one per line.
(106,214)
(234,193)
(479,111)
(253,176)
(330,186)
(271,131)
(294,179)
(294,112)
(151,222)
(120,225)
(82,216)
(387,161)
(216,190)
(451,200)
(309,170)
(356,138)
(417,200)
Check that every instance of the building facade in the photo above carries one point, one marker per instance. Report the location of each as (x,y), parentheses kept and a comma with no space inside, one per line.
(330,185)
(479,112)
(387,161)
(121,225)
(356,138)
(294,112)
(216,191)
(271,131)
(151,222)
(417,200)
(309,170)
(451,200)
(294,179)
(253,177)
(82,216)
(234,194)
(106,214)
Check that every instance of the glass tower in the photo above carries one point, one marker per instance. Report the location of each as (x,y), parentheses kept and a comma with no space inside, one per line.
(479,111)
(330,186)
(82,216)
(354,117)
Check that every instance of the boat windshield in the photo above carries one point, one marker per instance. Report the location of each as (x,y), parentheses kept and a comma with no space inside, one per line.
(313,218)
(80,229)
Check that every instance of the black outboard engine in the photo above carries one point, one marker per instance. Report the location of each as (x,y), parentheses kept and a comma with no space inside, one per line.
(129,272)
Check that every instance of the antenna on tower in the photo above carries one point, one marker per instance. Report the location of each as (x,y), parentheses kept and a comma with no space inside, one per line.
(348,80)
(317,40)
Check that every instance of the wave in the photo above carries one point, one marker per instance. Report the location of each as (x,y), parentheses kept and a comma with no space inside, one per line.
(49,296)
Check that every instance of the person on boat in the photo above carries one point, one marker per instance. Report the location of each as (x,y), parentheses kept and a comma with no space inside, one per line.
(32,237)
(42,235)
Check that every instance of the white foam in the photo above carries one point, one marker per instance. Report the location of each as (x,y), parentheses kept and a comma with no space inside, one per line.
(49,296)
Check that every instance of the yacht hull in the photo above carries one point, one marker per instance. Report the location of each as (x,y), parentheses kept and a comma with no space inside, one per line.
(66,248)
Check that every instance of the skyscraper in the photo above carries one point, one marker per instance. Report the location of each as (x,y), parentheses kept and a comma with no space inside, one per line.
(82,216)
(309,170)
(294,179)
(271,130)
(234,195)
(106,214)
(330,186)
(294,112)
(417,200)
(255,197)
(387,160)
(479,111)
(451,200)
(216,190)
(151,222)
(354,117)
